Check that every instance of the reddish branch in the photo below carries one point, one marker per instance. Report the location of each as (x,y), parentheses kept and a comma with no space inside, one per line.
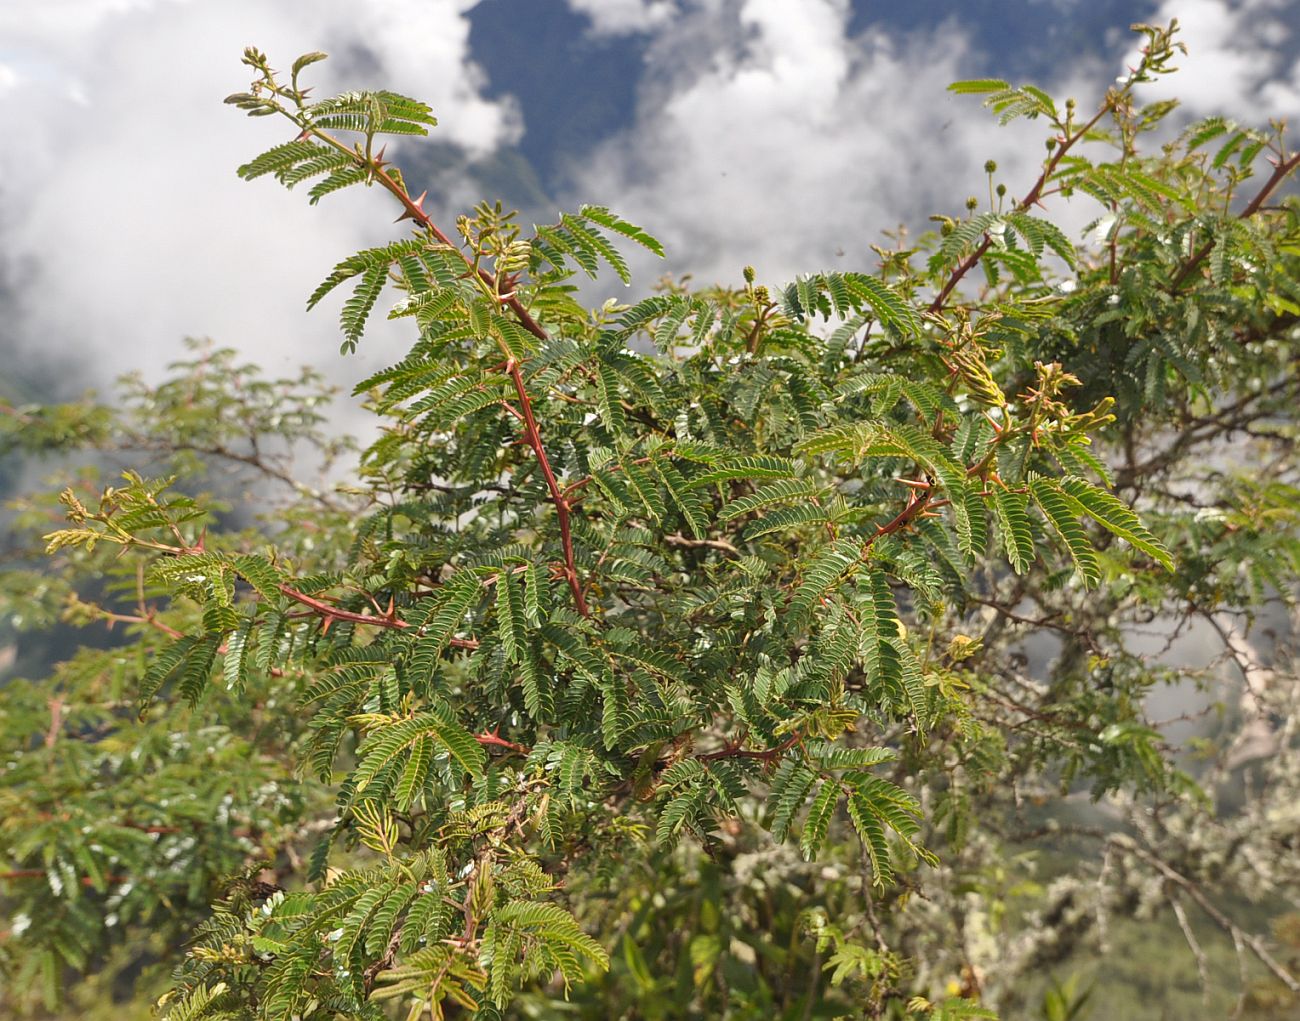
(916,507)
(534,439)
(415,211)
(1032,196)
(334,613)
(493,739)
(1282,169)
(111,618)
(582,483)
(734,751)
(56,722)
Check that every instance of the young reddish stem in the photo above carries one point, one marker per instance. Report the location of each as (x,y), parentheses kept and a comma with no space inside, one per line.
(582,483)
(112,618)
(416,212)
(1032,196)
(534,439)
(915,507)
(334,613)
(765,754)
(56,722)
(495,740)
(414,209)
(1281,170)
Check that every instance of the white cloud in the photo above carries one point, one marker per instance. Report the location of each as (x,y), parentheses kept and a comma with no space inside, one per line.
(768,135)
(125,227)
(620,17)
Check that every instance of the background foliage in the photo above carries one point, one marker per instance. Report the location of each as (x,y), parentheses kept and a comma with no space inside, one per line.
(744,651)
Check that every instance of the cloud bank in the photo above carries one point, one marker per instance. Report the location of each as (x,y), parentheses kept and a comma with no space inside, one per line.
(125,226)
(618,17)
(767,132)
(772,135)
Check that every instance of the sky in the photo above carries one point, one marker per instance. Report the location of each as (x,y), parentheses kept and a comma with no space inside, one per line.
(786,134)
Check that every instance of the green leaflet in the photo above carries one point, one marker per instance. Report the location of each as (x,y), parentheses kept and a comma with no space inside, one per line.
(1116,517)
(784,518)
(775,494)
(647,492)
(1062,513)
(511,627)
(827,568)
(387,743)
(928,399)
(976,86)
(874,806)
(165,663)
(234,663)
(536,595)
(261,574)
(610,221)
(860,441)
(608,398)
(755,467)
(452,602)
(280,159)
(525,940)
(971,518)
(196,671)
(415,773)
(1011,509)
(194,1005)
(789,790)
(683,498)
(818,820)
(835,756)
(887,660)
(887,304)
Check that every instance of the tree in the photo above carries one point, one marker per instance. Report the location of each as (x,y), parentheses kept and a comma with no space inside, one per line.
(711,610)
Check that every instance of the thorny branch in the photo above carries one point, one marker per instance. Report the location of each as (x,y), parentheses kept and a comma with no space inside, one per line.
(1282,169)
(1031,196)
(414,210)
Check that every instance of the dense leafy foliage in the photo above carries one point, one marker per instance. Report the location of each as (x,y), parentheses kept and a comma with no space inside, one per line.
(679,610)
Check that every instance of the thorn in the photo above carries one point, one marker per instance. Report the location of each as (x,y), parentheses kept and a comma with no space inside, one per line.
(417,205)
(913,483)
(306,134)
(325,625)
